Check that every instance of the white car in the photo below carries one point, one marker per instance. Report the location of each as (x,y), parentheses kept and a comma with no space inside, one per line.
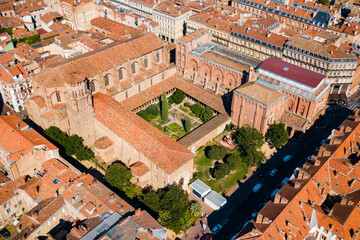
(273,172)
(287,158)
(216,229)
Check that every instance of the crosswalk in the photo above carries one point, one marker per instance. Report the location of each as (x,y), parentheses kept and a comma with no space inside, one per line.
(353,105)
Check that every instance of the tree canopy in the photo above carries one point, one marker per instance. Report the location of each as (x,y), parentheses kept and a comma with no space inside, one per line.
(174,204)
(164,108)
(248,137)
(221,171)
(178,96)
(277,135)
(216,152)
(153,109)
(187,124)
(233,161)
(119,176)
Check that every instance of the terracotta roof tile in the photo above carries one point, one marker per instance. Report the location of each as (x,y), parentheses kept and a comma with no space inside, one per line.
(150,141)
(139,169)
(259,93)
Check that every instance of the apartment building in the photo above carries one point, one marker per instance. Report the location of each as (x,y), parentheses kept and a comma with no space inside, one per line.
(171,19)
(295,16)
(320,52)
(254,38)
(321,201)
(22,149)
(15,83)
(10,205)
(78,13)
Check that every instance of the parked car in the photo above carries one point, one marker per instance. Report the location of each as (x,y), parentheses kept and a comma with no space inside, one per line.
(254,214)
(273,172)
(287,158)
(284,181)
(207,236)
(272,195)
(257,187)
(216,229)
(5,233)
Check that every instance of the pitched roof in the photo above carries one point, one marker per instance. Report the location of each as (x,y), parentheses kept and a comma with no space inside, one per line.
(259,93)
(7,191)
(77,69)
(292,72)
(18,138)
(150,141)
(48,17)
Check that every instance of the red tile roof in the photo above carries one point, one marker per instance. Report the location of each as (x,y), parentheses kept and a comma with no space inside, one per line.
(147,139)
(293,72)
(18,141)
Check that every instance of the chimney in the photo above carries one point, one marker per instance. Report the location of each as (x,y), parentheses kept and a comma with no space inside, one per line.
(297,184)
(331,212)
(112,197)
(317,162)
(268,35)
(277,198)
(137,211)
(18,125)
(151,235)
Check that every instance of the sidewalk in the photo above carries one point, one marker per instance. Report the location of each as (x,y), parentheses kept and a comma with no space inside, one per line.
(197,230)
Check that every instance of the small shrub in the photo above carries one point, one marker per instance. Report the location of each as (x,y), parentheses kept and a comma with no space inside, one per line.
(187,104)
(206,114)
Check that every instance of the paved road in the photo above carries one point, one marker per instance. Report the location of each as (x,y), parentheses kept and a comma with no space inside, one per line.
(239,209)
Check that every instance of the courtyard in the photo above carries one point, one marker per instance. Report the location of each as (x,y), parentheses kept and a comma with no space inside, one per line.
(178,112)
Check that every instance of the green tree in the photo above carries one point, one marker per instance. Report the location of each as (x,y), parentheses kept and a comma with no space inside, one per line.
(178,96)
(248,137)
(196,109)
(187,124)
(195,209)
(151,200)
(233,161)
(277,135)
(216,152)
(133,191)
(221,171)
(84,153)
(174,205)
(253,157)
(206,114)
(164,108)
(153,110)
(117,175)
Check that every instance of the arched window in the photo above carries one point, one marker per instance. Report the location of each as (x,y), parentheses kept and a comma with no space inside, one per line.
(133,68)
(106,78)
(58,98)
(121,76)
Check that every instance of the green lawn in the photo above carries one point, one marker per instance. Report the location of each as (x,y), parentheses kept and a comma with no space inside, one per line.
(174,127)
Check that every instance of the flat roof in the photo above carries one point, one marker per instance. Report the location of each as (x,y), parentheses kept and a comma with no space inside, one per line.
(292,72)
(200,187)
(216,199)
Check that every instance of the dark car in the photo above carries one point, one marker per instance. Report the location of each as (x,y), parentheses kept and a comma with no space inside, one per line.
(5,233)
(207,236)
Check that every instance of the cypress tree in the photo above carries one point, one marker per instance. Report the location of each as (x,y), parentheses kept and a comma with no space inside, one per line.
(164,108)
(187,124)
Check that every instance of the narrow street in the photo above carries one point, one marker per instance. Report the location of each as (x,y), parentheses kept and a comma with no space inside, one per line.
(242,203)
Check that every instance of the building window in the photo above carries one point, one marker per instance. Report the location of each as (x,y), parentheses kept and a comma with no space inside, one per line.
(106,78)
(146,62)
(121,74)
(157,57)
(156,177)
(58,97)
(133,68)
